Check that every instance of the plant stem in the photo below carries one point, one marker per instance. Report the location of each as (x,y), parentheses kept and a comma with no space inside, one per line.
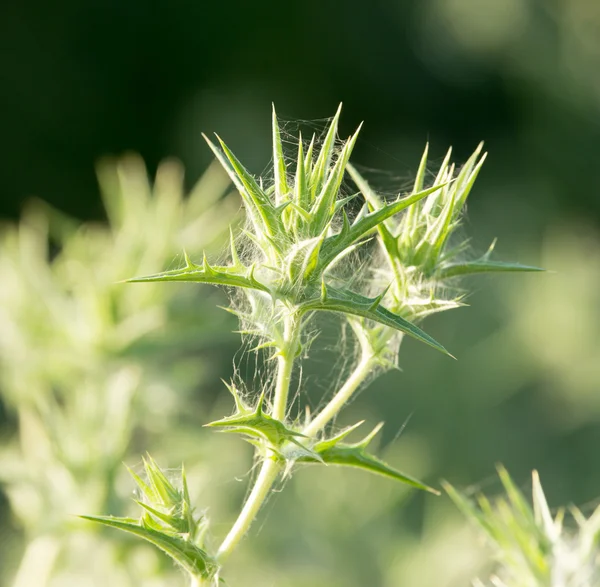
(360,373)
(285,365)
(270,467)
(262,487)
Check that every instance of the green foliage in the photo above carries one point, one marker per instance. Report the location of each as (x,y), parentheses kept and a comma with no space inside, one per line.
(419,256)
(332,451)
(298,240)
(285,266)
(533,547)
(168,522)
(82,355)
(255,424)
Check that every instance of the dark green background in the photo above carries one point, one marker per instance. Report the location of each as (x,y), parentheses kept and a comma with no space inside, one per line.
(83,79)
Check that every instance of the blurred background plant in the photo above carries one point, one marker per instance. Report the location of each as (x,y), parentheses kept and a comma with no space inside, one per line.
(532,545)
(92,369)
(519,74)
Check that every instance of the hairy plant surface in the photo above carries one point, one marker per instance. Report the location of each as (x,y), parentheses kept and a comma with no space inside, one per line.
(304,252)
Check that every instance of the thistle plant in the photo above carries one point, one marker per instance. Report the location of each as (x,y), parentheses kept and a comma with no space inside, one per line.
(304,252)
(534,547)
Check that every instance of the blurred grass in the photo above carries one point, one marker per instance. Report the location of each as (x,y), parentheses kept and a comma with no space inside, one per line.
(95,371)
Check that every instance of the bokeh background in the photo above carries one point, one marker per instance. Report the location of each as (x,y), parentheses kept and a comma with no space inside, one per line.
(81,80)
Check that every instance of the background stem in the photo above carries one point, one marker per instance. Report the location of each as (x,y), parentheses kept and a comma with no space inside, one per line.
(38,562)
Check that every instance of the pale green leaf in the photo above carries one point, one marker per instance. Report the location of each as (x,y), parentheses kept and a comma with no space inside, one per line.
(354,304)
(191,557)
(374,201)
(227,276)
(333,452)
(482,266)
(301,191)
(323,161)
(180,525)
(324,206)
(430,248)
(258,424)
(420,178)
(280,171)
(162,487)
(467,176)
(258,206)
(412,215)
(334,245)
(308,161)
(468,508)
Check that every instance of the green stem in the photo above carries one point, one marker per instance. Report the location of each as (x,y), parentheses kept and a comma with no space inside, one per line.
(270,467)
(337,402)
(262,487)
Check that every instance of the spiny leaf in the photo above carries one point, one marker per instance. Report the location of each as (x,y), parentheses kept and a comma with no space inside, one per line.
(191,557)
(420,178)
(324,205)
(444,166)
(235,259)
(324,159)
(412,215)
(302,213)
(301,191)
(258,424)
(162,487)
(308,162)
(430,248)
(302,259)
(334,300)
(374,201)
(328,443)
(146,489)
(179,524)
(258,206)
(467,176)
(378,299)
(515,496)
(334,452)
(541,510)
(467,507)
(341,202)
(482,266)
(213,275)
(441,177)
(422,308)
(280,172)
(361,227)
(240,405)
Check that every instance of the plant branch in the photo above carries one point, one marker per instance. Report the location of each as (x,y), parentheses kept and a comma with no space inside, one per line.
(337,402)
(270,467)
(285,365)
(268,473)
